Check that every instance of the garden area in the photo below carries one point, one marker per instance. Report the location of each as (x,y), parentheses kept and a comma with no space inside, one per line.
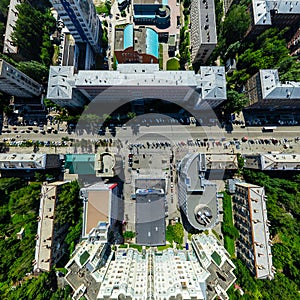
(174,233)
(230,233)
(173,64)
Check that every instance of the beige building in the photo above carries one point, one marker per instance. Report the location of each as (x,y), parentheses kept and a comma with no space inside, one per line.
(108,164)
(50,235)
(250,217)
(100,205)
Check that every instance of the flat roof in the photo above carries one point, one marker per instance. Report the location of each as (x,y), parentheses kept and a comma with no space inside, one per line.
(97,209)
(262,10)
(141,2)
(97,205)
(82,164)
(272,88)
(44,243)
(260,233)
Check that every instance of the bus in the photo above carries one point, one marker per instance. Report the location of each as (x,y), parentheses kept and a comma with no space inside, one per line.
(269,128)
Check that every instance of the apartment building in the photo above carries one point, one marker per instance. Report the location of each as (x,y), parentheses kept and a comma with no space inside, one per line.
(203,30)
(273,161)
(100,205)
(12,17)
(52,230)
(250,217)
(84,25)
(81,19)
(15,83)
(197,196)
(275,13)
(271,100)
(204,272)
(26,165)
(202,91)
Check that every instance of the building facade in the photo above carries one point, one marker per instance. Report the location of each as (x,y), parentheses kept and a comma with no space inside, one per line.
(136,45)
(250,217)
(203,272)
(202,91)
(100,205)
(81,19)
(203,30)
(26,165)
(197,196)
(273,161)
(52,230)
(271,101)
(15,83)
(12,17)
(269,13)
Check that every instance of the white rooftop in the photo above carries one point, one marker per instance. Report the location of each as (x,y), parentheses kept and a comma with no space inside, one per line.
(262,9)
(150,274)
(210,84)
(272,88)
(260,232)
(280,161)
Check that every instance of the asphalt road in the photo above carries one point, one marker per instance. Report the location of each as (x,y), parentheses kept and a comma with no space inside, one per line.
(174,134)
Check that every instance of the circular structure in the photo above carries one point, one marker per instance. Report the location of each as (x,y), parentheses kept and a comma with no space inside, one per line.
(203,214)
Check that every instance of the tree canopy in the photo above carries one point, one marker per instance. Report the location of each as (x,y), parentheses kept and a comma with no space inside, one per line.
(235,24)
(32,31)
(283,207)
(19,209)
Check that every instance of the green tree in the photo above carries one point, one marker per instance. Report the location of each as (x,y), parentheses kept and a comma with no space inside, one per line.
(131,115)
(235,102)
(236,24)
(175,233)
(32,33)
(129,235)
(28,32)
(34,70)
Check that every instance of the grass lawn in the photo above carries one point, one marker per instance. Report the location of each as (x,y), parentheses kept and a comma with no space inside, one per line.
(161,248)
(173,64)
(160,57)
(228,223)
(229,245)
(137,247)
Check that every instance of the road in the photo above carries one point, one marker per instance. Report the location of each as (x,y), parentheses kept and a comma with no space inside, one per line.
(175,134)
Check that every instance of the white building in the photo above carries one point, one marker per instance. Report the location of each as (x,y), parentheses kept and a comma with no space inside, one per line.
(12,17)
(203,30)
(277,13)
(197,196)
(201,91)
(204,272)
(273,161)
(16,83)
(82,21)
(250,217)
